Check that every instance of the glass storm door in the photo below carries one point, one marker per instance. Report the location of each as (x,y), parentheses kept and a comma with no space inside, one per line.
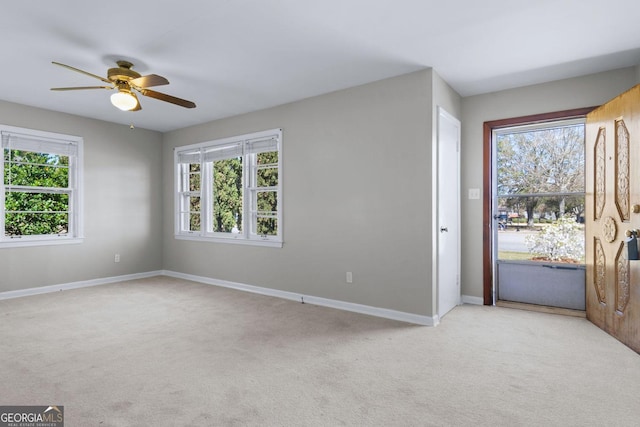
(539,208)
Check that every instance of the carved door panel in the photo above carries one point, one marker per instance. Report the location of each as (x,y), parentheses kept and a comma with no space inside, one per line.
(612,208)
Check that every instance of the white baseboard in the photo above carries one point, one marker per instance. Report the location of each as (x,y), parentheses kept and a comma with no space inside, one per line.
(468,299)
(76,285)
(325,302)
(309,299)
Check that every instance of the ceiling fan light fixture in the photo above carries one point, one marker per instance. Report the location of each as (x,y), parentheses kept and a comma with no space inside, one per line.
(127,82)
(124,100)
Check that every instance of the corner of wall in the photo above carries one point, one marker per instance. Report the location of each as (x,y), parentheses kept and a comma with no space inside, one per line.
(446,97)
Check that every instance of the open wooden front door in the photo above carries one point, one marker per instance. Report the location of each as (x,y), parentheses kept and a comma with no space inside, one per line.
(612,208)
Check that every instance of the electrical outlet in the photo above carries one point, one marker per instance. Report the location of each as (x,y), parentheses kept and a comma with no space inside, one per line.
(349,277)
(116,258)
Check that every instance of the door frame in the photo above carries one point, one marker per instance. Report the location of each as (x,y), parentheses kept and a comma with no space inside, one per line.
(487,185)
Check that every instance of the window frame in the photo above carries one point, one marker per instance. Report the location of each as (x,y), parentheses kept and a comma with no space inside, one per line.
(242,145)
(75,233)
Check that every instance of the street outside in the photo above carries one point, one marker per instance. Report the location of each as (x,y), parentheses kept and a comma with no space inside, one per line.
(512,240)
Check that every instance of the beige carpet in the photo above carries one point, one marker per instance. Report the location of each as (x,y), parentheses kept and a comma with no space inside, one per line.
(166,352)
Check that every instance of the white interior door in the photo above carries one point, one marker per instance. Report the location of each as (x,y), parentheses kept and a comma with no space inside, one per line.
(448,201)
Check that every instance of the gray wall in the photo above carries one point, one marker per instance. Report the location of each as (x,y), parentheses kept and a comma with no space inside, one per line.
(122,212)
(560,95)
(444,96)
(357,198)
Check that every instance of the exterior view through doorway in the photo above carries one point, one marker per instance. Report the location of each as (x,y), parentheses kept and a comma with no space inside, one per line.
(534,211)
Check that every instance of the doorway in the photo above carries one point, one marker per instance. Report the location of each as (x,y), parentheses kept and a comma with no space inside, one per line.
(534,211)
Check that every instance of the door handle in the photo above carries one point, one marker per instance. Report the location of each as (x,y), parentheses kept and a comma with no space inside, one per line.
(632,245)
(443,229)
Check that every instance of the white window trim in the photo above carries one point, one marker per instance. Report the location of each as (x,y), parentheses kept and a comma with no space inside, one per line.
(244,238)
(76,180)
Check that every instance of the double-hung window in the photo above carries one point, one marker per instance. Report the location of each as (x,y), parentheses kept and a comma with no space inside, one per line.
(230,190)
(41,191)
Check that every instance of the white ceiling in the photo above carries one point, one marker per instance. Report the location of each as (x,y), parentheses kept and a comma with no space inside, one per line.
(236,56)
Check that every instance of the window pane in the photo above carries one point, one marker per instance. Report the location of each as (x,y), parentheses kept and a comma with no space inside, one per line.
(267,171)
(194,204)
(227,195)
(190,215)
(267,226)
(36,213)
(194,221)
(541,161)
(194,177)
(36,169)
(194,182)
(267,177)
(191,177)
(36,223)
(36,202)
(267,201)
(267,204)
(190,221)
(268,158)
(20,156)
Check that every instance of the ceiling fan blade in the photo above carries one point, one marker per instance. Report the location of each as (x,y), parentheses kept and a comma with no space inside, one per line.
(81,71)
(82,87)
(168,98)
(149,81)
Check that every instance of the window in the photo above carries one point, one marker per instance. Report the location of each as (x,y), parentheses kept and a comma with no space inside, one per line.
(230,190)
(41,191)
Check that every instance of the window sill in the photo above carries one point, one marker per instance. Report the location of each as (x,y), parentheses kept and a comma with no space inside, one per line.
(264,243)
(23,242)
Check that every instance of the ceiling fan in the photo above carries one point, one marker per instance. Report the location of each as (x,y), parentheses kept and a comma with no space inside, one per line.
(128,82)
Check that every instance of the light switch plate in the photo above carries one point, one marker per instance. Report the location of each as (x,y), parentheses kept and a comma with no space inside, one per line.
(474,194)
